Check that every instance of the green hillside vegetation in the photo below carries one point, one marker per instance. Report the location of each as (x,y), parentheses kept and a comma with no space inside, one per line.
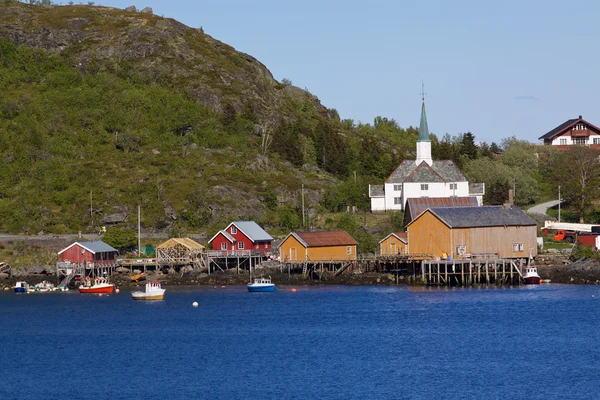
(113,110)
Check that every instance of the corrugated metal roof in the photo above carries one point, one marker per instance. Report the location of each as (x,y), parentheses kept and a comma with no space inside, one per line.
(252,230)
(325,238)
(97,246)
(439,171)
(476,217)
(186,242)
(417,205)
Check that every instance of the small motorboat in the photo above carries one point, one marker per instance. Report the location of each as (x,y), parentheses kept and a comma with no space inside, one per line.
(21,287)
(101,285)
(531,276)
(261,285)
(153,292)
(43,286)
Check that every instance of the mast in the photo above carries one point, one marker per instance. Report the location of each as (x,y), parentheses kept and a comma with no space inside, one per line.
(139,234)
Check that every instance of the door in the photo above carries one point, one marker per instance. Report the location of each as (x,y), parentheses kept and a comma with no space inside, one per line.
(292,254)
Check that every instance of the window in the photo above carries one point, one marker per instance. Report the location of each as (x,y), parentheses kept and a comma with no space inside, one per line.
(580,140)
(397,188)
(241,245)
(348,249)
(453,186)
(461,250)
(596,141)
(224,246)
(518,247)
(563,141)
(424,186)
(397,200)
(233,230)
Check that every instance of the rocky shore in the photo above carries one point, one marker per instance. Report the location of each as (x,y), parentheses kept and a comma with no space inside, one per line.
(556,268)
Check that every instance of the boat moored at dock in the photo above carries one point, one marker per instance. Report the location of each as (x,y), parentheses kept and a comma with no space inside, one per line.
(21,287)
(531,276)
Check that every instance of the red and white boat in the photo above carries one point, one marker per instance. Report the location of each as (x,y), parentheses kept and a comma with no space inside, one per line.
(531,276)
(101,285)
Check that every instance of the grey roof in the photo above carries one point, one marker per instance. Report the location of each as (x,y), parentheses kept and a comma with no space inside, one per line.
(476,188)
(439,171)
(97,246)
(423,129)
(476,217)
(227,236)
(252,230)
(376,191)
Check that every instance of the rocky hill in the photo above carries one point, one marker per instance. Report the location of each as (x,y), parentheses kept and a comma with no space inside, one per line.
(106,109)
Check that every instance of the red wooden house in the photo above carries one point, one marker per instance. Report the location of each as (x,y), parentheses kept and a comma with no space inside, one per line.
(97,253)
(242,236)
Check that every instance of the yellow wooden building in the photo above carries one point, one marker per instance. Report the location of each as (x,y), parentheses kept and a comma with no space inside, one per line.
(318,246)
(394,243)
(463,232)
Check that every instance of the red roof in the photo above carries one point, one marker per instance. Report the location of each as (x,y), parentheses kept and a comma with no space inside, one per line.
(325,238)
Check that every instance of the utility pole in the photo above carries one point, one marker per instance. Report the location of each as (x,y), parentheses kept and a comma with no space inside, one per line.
(515,189)
(91,210)
(303,219)
(139,234)
(558,203)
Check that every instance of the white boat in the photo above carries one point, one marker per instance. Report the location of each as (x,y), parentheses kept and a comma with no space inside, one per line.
(43,286)
(153,292)
(531,276)
(261,285)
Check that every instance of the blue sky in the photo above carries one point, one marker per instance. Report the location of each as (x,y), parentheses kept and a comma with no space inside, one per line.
(496,69)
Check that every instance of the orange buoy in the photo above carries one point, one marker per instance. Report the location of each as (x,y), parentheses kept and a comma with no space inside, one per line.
(117,290)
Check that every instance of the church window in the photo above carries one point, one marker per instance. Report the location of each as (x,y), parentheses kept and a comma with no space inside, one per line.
(424,186)
(397,200)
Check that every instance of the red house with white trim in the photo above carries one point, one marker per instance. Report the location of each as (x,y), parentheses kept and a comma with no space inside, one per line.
(242,237)
(97,253)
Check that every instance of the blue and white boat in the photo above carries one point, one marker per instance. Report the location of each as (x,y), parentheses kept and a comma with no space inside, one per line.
(261,285)
(21,287)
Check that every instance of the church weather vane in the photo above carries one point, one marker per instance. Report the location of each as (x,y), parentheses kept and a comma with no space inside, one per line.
(422,91)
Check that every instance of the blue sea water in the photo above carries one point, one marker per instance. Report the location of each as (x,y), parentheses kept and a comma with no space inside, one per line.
(326,342)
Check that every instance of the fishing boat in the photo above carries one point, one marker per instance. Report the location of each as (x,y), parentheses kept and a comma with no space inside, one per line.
(153,292)
(21,287)
(531,276)
(261,285)
(101,285)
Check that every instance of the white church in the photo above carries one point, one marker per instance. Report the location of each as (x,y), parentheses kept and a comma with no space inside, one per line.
(422,177)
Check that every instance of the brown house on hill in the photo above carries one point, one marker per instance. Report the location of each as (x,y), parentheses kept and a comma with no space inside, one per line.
(394,243)
(415,206)
(576,131)
(318,246)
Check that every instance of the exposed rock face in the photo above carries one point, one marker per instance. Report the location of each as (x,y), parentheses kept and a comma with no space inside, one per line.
(208,68)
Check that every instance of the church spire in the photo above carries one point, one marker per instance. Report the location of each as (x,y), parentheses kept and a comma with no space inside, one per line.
(423,142)
(423,129)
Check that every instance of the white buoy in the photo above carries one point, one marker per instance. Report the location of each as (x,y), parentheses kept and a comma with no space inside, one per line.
(195,304)
(117,290)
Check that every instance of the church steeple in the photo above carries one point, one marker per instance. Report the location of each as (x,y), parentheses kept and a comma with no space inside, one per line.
(423,142)
(423,129)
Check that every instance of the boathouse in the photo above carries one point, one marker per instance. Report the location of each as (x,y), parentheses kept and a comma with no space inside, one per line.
(416,205)
(392,244)
(465,232)
(332,246)
(96,254)
(242,237)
